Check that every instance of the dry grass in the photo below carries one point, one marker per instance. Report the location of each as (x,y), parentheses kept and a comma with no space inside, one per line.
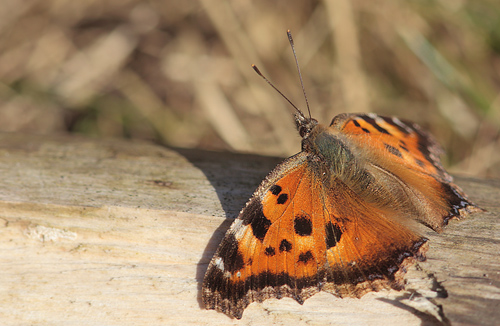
(179,71)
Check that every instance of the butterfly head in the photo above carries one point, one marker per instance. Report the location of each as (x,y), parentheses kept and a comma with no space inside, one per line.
(304,125)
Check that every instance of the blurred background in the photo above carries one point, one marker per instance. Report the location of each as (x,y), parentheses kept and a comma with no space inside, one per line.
(178,72)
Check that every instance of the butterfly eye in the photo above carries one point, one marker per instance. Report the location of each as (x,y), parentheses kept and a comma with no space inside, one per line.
(303,131)
(305,126)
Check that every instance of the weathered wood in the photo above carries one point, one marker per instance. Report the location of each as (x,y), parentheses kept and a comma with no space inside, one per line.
(112,232)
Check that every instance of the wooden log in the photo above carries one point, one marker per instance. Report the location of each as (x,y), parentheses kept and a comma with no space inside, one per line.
(114,232)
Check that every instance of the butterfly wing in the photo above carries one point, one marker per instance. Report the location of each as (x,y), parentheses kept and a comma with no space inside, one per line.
(406,160)
(304,230)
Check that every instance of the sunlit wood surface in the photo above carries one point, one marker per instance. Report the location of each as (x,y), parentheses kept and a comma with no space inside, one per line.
(114,232)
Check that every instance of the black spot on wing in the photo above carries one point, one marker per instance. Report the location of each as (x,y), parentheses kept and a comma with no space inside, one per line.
(230,254)
(253,214)
(403,146)
(302,225)
(374,124)
(282,199)
(260,227)
(400,126)
(304,257)
(285,245)
(356,123)
(333,235)
(393,150)
(275,190)
(420,163)
(270,251)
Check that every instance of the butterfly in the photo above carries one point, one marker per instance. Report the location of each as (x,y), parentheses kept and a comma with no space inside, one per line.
(332,217)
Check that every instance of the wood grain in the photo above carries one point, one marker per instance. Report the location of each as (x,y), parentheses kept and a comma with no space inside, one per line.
(113,232)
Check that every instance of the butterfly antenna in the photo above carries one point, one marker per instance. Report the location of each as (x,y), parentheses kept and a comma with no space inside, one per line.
(277,90)
(290,39)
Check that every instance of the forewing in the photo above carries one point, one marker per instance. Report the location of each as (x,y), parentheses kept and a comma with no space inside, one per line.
(404,156)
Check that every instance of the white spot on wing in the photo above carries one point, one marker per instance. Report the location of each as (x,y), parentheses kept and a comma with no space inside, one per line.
(402,125)
(375,117)
(219,263)
(240,232)
(236,224)
(378,119)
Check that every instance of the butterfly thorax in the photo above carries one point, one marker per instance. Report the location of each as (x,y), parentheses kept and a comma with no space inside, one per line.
(335,158)
(323,144)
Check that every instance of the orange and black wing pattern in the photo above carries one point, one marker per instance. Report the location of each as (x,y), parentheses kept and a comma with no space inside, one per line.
(404,151)
(305,231)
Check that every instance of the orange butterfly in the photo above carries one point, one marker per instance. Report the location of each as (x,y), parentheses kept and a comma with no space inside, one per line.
(328,218)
